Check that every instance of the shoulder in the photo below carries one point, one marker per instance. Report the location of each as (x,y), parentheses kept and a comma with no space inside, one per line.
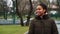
(33,20)
(51,20)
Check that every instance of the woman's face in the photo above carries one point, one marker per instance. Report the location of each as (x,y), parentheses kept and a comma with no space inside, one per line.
(39,10)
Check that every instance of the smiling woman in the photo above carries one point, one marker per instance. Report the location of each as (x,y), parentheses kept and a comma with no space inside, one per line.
(42,23)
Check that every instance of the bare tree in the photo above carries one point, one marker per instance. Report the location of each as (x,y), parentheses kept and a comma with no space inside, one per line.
(19,10)
(1,5)
(29,15)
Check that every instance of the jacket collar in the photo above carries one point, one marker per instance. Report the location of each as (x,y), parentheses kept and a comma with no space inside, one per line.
(43,17)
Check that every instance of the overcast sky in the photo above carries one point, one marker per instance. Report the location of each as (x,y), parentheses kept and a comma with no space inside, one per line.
(9,3)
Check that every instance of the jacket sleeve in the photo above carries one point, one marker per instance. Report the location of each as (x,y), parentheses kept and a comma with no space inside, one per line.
(54,28)
(31,28)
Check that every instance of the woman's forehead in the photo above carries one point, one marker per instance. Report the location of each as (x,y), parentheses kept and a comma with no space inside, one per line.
(38,7)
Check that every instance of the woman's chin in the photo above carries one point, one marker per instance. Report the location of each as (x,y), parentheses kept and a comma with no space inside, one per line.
(37,15)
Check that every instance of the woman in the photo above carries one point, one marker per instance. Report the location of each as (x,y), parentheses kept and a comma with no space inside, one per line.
(42,24)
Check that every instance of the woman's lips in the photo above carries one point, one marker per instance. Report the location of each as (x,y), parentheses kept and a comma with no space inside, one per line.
(37,13)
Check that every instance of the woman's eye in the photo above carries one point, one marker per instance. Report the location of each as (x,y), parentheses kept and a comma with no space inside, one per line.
(38,9)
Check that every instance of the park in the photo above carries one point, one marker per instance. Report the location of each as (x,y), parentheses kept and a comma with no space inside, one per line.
(16,15)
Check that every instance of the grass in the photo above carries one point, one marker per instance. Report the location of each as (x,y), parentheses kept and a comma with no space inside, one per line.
(12,29)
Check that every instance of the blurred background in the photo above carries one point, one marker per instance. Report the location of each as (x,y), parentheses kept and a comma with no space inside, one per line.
(21,12)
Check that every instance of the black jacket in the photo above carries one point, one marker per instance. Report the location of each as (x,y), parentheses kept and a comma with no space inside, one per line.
(43,25)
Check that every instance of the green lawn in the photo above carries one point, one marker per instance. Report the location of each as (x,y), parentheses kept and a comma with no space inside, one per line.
(12,29)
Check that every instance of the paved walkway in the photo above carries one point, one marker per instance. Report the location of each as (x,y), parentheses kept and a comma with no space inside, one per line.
(10,21)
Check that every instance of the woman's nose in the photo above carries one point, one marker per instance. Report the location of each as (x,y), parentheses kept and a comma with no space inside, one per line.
(38,11)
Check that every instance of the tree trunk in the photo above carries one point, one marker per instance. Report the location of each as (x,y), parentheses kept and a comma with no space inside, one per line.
(19,14)
(29,14)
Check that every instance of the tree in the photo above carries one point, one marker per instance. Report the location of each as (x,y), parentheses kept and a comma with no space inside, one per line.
(28,17)
(1,5)
(3,8)
(19,12)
